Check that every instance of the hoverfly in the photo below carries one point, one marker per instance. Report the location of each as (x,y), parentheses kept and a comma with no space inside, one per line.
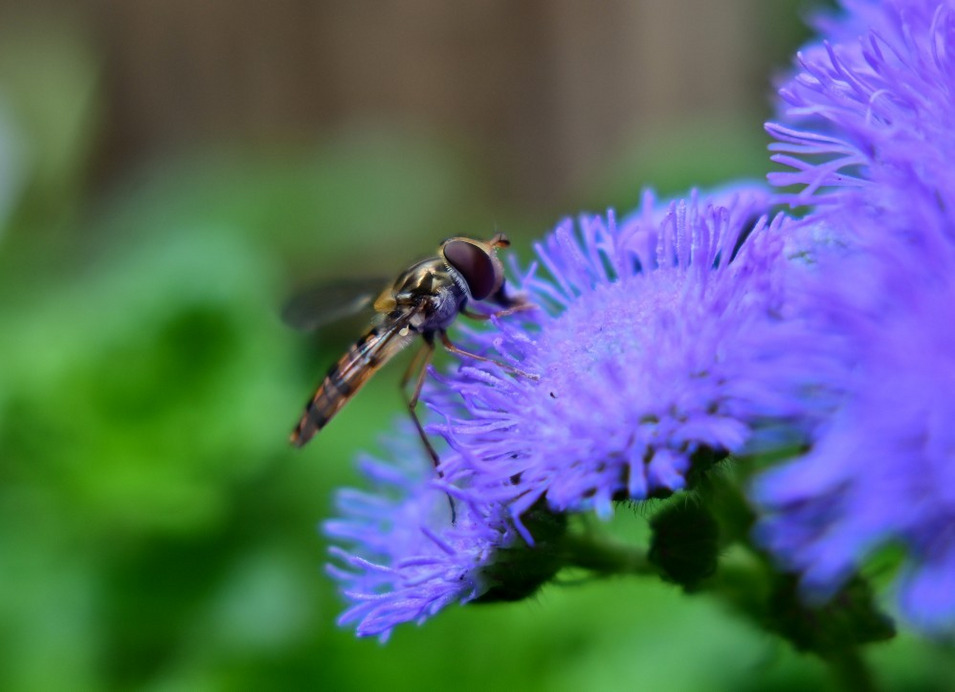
(422,301)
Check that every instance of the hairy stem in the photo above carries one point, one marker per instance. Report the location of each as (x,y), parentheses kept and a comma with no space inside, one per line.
(850,671)
(604,557)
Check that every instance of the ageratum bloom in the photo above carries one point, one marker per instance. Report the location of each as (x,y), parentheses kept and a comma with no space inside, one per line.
(630,369)
(872,142)
(883,471)
(403,559)
(870,115)
(657,342)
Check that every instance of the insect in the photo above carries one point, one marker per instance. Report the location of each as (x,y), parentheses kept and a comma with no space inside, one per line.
(423,301)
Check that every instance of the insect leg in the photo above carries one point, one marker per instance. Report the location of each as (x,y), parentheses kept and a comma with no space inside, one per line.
(420,363)
(420,360)
(517,307)
(509,304)
(461,352)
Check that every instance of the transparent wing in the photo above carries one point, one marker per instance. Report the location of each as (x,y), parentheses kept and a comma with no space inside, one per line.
(330,301)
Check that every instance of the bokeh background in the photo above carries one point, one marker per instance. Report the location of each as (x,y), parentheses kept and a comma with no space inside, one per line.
(170,172)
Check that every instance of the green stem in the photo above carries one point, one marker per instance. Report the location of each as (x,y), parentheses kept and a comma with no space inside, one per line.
(747,581)
(603,556)
(850,671)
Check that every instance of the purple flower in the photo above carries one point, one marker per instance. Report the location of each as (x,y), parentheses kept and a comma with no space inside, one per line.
(883,471)
(404,559)
(874,152)
(658,342)
(684,332)
(870,115)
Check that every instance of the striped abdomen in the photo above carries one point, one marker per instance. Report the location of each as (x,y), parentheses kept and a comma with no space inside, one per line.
(362,360)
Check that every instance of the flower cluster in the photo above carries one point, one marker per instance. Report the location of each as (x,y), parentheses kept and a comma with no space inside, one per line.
(407,558)
(869,118)
(657,345)
(692,329)
(882,471)
(658,341)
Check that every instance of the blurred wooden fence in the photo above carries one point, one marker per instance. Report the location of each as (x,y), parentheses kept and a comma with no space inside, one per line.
(548,87)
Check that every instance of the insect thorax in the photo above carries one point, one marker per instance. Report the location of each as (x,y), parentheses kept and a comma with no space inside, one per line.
(433,292)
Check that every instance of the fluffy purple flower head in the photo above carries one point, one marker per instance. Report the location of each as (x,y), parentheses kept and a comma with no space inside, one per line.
(404,559)
(657,341)
(877,102)
(883,471)
(870,114)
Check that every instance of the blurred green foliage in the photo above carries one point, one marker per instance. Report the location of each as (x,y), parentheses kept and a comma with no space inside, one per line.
(155,530)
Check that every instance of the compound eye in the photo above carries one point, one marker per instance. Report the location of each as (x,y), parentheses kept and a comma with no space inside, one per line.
(474,264)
